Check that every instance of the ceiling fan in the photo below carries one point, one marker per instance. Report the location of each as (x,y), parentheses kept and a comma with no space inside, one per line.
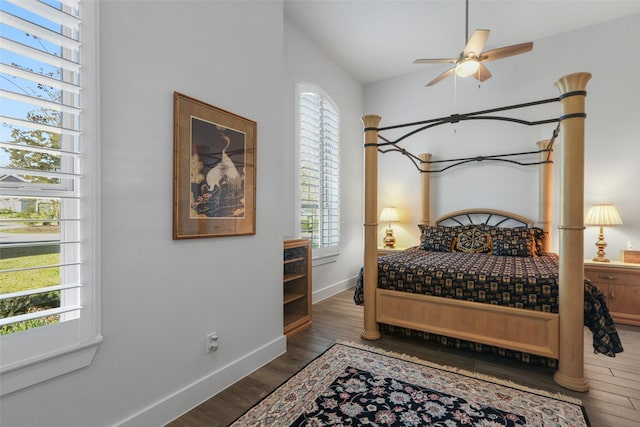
(470,61)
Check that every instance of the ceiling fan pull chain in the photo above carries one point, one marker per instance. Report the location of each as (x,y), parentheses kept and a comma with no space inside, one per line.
(455,99)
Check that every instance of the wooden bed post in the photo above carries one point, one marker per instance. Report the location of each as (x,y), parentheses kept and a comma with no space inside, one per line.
(570,373)
(370,331)
(546,193)
(425,199)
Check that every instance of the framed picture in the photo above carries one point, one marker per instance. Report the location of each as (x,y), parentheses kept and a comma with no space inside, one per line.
(214,171)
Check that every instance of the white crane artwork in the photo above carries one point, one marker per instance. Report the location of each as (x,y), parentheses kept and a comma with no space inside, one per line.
(223,170)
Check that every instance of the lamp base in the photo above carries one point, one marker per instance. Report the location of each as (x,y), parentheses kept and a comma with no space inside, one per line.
(601,244)
(389,241)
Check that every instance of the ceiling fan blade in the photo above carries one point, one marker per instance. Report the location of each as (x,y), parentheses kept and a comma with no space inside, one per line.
(482,74)
(442,76)
(503,52)
(436,61)
(476,43)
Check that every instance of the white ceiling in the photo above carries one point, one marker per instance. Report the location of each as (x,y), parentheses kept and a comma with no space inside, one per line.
(378,39)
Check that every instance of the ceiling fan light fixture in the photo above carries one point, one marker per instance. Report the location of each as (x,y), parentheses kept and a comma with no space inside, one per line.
(467,67)
(470,62)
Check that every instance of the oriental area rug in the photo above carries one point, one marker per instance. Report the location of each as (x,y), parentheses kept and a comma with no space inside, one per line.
(354,385)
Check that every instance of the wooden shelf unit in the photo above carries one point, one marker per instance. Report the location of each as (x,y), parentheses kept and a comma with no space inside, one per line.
(620,282)
(297,285)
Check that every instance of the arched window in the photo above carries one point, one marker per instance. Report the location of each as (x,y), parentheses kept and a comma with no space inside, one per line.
(318,169)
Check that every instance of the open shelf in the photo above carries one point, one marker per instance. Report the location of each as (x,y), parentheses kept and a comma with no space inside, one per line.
(296,285)
(293,276)
(292,297)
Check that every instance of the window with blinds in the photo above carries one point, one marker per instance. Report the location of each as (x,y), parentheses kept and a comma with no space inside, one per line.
(49,190)
(40,164)
(319,170)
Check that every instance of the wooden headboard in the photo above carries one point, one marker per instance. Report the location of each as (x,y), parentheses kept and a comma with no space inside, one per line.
(496,216)
(492,217)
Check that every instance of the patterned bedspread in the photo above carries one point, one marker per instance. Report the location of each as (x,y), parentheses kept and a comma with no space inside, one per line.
(521,282)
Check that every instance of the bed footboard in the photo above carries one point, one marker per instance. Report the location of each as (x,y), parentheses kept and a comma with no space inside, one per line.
(528,331)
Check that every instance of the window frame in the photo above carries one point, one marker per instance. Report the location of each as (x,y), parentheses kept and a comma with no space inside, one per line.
(39,354)
(321,254)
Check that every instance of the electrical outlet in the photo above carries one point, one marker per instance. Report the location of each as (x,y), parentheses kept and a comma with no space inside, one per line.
(212,342)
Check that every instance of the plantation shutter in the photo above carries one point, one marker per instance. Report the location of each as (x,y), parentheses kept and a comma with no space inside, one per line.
(319,171)
(40,163)
(330,176)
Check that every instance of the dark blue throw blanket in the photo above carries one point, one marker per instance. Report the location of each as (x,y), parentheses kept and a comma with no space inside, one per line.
(599,321)
(596,318)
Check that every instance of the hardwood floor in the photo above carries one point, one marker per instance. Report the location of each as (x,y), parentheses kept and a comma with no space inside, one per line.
(612,401)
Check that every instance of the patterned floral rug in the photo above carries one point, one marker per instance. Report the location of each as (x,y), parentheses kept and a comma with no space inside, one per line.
(354,385)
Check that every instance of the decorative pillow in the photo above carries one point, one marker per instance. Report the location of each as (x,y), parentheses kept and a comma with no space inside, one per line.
(473,240)
(538,238)
(512,241)
(438,239)
(513,248)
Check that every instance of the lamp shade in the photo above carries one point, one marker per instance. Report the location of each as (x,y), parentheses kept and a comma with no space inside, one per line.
(601,215)
(389,214)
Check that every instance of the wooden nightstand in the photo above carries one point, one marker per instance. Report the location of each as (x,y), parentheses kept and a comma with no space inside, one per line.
(620,283)
(387,251)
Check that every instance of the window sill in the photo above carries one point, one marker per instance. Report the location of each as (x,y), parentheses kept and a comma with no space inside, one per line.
(324,259)
(47,366)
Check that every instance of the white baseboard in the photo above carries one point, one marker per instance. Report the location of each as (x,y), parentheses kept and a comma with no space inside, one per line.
(181,401)
(331,290)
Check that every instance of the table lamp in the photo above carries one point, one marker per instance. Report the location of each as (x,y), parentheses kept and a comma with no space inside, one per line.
(602,215)
(389,214)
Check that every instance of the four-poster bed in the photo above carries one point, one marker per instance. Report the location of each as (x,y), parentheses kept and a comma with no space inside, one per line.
(556,335)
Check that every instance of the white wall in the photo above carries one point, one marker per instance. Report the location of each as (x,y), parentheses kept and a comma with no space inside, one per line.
(305,63)
(612,128)
(159,296)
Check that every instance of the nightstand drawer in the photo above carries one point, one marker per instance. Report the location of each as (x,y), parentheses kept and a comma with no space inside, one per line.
(620,283)
(608,276)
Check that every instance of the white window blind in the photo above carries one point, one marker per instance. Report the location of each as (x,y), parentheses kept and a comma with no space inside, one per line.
(42,159)
(319,152)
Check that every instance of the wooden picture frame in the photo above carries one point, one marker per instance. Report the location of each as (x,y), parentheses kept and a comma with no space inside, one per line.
(214,171)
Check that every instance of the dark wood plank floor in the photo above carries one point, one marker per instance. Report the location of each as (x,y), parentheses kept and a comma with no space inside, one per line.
(612,401)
